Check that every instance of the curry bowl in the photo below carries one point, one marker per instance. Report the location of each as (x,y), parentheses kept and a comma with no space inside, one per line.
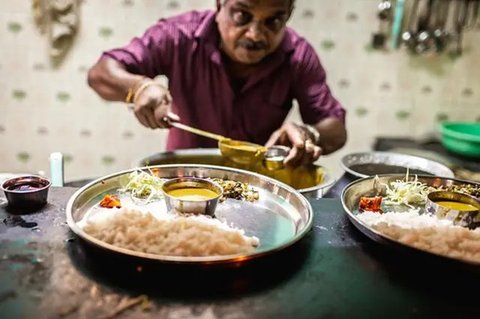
(26,192)
(192,195)
(462,209)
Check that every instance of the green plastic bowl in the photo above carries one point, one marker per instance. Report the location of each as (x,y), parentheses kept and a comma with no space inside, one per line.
(461,138)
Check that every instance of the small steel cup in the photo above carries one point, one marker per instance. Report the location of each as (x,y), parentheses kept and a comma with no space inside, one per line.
(26,192)
(184,205)
(274,157)
(470,218)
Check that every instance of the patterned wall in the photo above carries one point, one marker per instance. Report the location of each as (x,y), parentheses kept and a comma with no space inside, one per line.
(46,108)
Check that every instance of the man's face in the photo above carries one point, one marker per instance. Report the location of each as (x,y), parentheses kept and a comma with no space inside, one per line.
(251,29)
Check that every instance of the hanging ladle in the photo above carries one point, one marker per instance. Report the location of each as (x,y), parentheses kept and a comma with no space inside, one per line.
(240,152)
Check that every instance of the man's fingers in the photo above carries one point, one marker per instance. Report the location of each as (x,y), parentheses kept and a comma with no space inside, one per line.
(142,119)
(308,153)
(274,138)
(294,157)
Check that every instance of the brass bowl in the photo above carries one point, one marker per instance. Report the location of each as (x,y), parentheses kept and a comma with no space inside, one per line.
(241,152)
(465,210)
(186,195)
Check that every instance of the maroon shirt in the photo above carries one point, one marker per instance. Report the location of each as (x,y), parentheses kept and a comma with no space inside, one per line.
(185,49)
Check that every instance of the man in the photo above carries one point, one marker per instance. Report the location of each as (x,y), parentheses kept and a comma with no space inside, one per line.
(233,72)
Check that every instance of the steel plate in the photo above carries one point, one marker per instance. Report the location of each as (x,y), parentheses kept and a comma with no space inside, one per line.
(280,217)
(394,159)
(365,187)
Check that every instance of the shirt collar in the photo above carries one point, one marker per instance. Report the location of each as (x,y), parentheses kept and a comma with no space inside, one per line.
(207,29)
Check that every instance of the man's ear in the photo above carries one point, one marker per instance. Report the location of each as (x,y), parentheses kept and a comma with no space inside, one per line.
(290,11)
(219,5)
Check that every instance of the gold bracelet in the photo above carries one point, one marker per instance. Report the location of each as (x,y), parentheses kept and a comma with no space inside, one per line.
(131,91)
(143,87)
(129,98)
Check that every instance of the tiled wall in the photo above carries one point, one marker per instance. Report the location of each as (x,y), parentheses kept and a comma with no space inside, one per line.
(45,109)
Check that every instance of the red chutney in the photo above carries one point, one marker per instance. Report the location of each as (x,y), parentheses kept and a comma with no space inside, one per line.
(370,204)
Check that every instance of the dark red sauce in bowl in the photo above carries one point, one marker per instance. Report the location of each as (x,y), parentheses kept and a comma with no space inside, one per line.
(28,191)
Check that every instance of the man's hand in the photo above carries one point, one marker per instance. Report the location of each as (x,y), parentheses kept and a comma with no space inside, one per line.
(303,150)
(152,105)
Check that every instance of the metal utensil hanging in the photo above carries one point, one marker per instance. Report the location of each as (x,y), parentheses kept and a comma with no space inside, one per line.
(429,26)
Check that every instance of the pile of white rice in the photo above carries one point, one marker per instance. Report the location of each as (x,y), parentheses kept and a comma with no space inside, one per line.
(427,232)
(178,236)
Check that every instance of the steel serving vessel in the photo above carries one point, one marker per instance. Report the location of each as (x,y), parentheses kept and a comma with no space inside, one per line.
(312,180)
(279,218)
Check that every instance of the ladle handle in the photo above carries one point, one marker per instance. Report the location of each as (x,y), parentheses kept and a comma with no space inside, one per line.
(198,131)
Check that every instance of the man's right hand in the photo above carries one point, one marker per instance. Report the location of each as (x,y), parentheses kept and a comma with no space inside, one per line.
(152,105)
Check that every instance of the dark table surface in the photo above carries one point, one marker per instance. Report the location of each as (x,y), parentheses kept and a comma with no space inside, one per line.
(334,272)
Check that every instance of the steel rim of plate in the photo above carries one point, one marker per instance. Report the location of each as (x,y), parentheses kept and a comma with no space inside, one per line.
(382,238)
(391,158)
(206,260)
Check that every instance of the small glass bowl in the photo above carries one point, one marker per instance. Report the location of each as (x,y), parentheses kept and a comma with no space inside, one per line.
(26,192)
(192,195)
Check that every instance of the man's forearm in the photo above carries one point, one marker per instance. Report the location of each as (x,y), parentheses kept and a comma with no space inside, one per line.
(110,79)
(333,134)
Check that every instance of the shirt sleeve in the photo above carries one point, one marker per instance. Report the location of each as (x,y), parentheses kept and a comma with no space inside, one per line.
(151,54)
(310,88)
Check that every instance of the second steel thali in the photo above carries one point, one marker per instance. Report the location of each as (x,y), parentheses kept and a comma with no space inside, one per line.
(280,217)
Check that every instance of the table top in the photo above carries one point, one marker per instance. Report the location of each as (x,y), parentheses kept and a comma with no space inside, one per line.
(335,271)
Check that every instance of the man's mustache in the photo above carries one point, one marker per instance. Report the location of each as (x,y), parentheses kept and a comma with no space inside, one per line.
(252,45)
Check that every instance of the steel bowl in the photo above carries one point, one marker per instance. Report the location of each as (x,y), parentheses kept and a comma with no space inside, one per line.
(274,157)
(466,218)
(26,192)
(188,204)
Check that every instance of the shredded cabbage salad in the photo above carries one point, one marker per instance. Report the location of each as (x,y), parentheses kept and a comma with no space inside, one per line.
(144,186)
(406,192)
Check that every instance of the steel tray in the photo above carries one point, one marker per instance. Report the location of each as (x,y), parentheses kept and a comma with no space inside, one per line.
(365,187)
(280,217)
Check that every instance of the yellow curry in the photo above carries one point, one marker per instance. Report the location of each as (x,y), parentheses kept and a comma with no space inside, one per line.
(193,193)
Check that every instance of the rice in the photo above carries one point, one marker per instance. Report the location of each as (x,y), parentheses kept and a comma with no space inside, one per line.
(179,236)
(427,232)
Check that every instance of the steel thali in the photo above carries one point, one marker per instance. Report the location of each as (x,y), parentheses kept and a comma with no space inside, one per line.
(279,218)
(368,187)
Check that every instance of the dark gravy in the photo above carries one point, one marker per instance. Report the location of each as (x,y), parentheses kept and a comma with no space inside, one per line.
(25,186)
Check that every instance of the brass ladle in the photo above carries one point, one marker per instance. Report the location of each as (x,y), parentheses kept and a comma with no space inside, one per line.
(240,152)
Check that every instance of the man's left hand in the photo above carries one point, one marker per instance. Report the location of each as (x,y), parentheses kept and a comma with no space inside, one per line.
(303,150)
